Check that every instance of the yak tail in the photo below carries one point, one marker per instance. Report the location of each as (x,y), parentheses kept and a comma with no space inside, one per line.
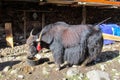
(104,21)
(97,26)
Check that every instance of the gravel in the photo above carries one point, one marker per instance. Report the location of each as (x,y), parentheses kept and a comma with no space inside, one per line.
(13,64)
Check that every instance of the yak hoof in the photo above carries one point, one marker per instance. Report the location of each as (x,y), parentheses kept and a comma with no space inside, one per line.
(58,67)
(74,66)
(83,65)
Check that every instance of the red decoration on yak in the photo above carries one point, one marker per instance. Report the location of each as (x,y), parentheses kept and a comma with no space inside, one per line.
(38,47)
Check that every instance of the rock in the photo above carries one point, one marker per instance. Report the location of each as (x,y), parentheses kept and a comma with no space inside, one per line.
(97,75)
(82,77)
(1,75)
(21,37)
(45,71)
(52,65)
(117,74)
(47,55)
(28,69)
(38,56)
(11,58)
(18,58)
(74,66)
(64,79)
(44,50)
(102,66)
(116,77)
(6,69)
(114,70)
(21,76)
(13,72)
(72,72)
(119,60)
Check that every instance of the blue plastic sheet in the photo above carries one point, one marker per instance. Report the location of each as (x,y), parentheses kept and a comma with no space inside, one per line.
(112,29)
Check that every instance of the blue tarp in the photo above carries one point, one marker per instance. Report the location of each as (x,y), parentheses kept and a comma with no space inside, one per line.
(112,29)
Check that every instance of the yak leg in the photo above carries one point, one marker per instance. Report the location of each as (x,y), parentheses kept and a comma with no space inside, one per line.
(58,60)
(88,60)
(83,47)
(85,62)
(93,53)
(57,50)
(94,48)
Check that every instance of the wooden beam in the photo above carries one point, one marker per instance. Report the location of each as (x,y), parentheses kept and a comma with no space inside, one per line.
(25,0)
(67,2)
(111,37)
(43,20)
(24,24)
(42,11)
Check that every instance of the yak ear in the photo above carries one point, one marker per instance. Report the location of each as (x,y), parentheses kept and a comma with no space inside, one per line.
(47,38)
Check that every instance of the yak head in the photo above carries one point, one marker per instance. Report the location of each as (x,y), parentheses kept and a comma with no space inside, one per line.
(32,41)
(32,38)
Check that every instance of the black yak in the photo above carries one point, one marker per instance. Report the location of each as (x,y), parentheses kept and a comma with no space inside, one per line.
(72,43)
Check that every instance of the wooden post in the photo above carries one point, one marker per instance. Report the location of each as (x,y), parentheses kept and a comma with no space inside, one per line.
(24,24)
(111,37)
(0,8)
(83,15)
(9,36)
(43,19)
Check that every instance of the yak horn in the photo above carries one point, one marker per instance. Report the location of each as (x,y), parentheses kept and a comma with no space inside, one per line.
(31,32)
(39,38)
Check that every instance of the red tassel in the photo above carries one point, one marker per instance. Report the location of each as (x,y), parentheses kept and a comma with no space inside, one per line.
(38,47)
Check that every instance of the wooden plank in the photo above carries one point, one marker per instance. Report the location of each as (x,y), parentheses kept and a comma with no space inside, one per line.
(61,1)
(102,2)
(9,36)
(83,15)
(25,0)
(111,37)
(24,25)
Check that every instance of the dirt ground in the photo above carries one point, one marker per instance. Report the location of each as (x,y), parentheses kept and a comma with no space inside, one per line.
(19,69)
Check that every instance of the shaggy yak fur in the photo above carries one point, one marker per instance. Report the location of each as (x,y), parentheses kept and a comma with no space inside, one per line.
(73,43)
(32,44)
(32,49)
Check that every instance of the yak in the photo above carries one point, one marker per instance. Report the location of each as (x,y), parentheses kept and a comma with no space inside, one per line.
(73,44)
